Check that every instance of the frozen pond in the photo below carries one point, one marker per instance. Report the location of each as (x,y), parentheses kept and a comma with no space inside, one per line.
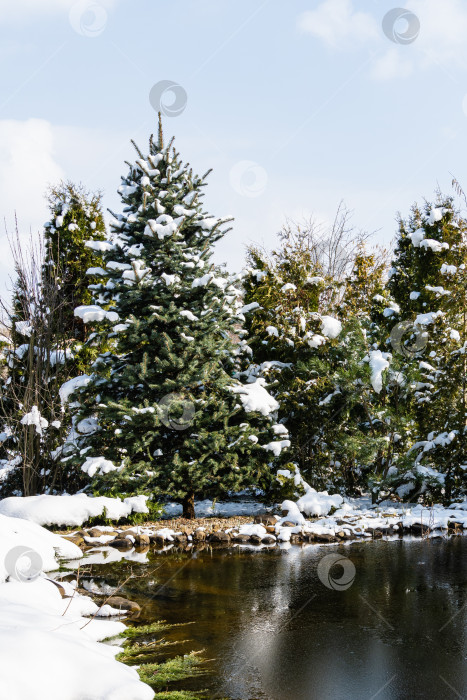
(275,631)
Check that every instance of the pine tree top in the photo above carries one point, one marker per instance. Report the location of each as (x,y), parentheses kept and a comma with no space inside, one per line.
(163,240)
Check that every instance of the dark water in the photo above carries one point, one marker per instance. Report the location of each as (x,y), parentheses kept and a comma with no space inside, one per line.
(274,631)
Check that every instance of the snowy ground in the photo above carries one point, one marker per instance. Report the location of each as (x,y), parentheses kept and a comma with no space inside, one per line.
(75,510)
(358,520)
(50,646)
(221,509)
(349,522)
(335,521)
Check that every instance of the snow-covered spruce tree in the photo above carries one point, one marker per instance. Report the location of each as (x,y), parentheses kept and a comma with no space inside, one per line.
(428,283)
(45,346)
(162,412)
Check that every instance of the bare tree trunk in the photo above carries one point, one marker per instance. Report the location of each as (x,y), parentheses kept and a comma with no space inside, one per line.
(189,506)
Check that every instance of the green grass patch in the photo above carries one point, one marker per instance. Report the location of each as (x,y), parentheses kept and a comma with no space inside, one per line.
(138,653)
(153,628)
(177,669)
(143,643)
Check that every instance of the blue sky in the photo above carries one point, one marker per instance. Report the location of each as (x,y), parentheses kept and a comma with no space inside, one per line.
(295,105)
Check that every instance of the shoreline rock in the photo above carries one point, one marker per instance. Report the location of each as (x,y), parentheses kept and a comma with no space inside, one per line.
(265,530)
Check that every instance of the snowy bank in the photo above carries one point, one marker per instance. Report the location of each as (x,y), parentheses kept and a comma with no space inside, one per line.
(354,520)
(44,546)
(70,511)
(51,653)
(48,650)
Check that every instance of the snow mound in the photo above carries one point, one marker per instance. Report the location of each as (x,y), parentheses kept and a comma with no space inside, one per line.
(293,514)
(48,653)
(43,548)
(252,529)
(318,502)
(70,511)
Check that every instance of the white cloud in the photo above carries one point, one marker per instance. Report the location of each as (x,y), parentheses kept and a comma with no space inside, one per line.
(27,167)
(443,30)
(441,41)
(338,25)
(35,154)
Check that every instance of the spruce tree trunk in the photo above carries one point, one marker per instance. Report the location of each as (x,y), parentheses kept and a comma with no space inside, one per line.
(189,506)
(448,487)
